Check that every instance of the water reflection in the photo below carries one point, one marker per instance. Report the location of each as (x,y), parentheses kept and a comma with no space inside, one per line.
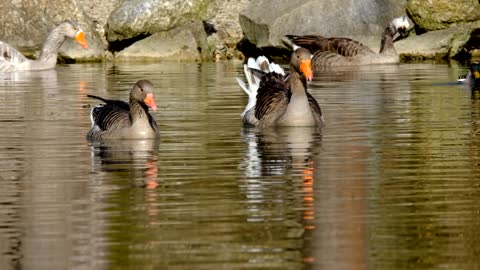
(280,165)
(134,160)
(390,182)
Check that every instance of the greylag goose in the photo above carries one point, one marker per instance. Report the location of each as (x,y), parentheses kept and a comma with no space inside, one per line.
(117,119)
(279,100)
(336,51)
(13,60)
(472,78)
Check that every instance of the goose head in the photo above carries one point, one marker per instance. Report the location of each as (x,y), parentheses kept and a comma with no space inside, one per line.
(301,61)
(401,25)
(73,31)
(142,92)
(474,70)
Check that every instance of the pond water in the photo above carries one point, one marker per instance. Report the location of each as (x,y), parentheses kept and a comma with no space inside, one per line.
(391,181)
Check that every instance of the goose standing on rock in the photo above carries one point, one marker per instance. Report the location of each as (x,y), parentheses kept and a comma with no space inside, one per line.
(336,51)
(13,60)
(117,119)
(279,100)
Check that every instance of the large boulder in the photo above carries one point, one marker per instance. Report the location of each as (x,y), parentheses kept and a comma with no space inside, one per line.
(133,18)
(179,44)
(440,14)
(25,25)
(98,12)
(265,22)
(440,44)
(224,30)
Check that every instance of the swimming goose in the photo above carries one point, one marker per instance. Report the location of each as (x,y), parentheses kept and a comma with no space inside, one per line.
(117,119)
(472,78)
(335,51)
(279,100)
(13,60)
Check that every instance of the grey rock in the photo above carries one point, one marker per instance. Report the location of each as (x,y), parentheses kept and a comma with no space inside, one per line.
(134,18)
(440,14)
(25,25)
(440,44)
(98,13)
(228,30)
(265,22)
(178,44)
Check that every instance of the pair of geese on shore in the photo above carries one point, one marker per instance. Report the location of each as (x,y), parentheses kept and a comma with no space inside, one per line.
(275,98)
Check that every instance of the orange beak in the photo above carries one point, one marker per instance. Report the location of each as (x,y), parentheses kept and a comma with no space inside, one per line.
(150,102)
(80,38)
(306,69)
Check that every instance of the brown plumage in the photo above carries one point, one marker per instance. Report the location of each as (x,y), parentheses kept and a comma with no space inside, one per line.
(117,119)
(284,101)
(335,51)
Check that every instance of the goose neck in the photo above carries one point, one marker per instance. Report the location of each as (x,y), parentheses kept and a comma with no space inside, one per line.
(388,37)
(51,46)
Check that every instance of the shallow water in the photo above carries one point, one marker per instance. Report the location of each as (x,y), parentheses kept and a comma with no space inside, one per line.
(391,181)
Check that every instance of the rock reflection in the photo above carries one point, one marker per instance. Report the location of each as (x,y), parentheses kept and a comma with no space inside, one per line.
(136,158)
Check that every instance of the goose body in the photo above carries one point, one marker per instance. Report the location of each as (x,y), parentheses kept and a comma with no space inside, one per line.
(276,99)
(335,51)
(13,60)
(117,119)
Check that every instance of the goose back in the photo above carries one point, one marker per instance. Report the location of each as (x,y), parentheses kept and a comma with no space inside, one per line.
(272,99)
(113,114)
(342,46)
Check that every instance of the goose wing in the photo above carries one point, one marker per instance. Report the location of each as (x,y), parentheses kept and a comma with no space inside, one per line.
(342,46)
(10,57)
(272,98)
(153,123)
(327,58)
(315,108)
(114,113)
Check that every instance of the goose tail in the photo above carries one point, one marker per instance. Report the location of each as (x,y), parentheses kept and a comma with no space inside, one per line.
(253,79)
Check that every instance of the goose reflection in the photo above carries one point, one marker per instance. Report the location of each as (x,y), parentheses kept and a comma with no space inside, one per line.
(132,159)
(279,165)
(274,151)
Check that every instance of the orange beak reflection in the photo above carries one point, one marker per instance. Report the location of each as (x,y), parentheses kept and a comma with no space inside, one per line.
(80,38)
(306,69)
(150,102)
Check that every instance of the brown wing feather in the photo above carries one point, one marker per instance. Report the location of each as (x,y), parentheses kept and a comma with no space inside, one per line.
(272,99)
(315,107)
(326,58)
(343,46)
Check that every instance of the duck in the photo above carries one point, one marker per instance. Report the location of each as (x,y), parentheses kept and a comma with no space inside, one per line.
(279,99)
(117,119)
(13,60)
(338,51)
(472,78)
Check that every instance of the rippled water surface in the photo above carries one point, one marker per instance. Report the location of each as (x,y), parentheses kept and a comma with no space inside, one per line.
(391,181)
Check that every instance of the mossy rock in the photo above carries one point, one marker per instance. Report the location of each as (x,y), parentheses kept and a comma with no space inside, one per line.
(440,14)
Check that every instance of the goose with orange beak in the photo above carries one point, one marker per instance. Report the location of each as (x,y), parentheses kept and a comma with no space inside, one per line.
(117,120)
(279,100)
(13,60)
